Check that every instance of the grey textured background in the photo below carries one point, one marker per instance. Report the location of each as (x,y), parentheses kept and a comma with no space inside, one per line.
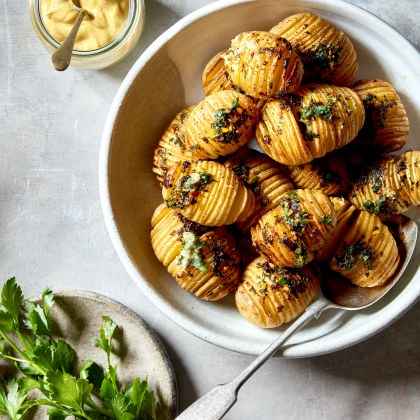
(52,232)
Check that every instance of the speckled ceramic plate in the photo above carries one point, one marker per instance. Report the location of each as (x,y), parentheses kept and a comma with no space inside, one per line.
(77,317)
(166,78)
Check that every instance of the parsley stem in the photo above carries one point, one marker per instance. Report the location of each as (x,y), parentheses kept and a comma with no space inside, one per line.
(23,341)
(15,359)
(21,353)
(13,345)
(91,404)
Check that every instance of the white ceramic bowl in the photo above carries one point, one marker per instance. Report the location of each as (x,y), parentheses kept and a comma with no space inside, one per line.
(166,78)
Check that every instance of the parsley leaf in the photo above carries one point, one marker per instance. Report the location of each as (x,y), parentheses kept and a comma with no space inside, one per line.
(317,110)
(65,390)
(6,321)
(12,403)
(36,319)
(52,355)
(105,338)
(11,300)
(108,391)
(93,373)
(326,220)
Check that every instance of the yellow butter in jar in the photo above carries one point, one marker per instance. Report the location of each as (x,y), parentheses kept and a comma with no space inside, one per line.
(106,35)
(104,22)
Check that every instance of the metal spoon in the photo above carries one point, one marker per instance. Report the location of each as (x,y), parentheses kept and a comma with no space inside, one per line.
(61,58)
(336,293)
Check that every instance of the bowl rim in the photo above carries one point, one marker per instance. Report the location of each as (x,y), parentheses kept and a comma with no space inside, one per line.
(306,349)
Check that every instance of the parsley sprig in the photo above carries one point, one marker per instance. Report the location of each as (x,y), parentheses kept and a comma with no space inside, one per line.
(46,365)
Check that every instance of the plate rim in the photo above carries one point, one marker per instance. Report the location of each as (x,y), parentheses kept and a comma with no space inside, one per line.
(182,320)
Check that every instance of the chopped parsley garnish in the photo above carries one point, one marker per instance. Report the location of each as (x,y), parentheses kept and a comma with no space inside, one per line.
(349,254)
(401,167)
(221,261)
(308,135)
(242,171)
(373,177)
(326,220)
(376,114)
(277,277)
(301,253)
(188,188)
(190,254)
(326,56)
(378,108)
(382,206)
(294,214)
(317,110)
(227,121)
(190,226)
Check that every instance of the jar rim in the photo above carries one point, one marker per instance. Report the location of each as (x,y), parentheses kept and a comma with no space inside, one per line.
(125,31)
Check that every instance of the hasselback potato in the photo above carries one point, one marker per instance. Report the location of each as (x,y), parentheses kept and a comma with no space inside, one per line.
(270,295)
(327,53)
(171,147)
(344,211)
(368,254)
(390,186)
(204,261)
(208,193)
(263,65)
(264,177)
(289,234)
(308,124)
(215,77)
(327,174)
(168,227)
(217,274)
(220,124)
(386,124)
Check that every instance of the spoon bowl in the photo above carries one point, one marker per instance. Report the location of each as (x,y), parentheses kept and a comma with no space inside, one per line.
(336,292)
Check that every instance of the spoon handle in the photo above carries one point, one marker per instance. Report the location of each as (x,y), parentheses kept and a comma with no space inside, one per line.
(61,58)
(218,401)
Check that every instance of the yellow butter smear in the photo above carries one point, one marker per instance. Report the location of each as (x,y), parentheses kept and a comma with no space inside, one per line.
(105,21)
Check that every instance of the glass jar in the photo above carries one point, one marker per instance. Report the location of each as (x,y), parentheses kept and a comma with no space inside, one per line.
(99,58)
